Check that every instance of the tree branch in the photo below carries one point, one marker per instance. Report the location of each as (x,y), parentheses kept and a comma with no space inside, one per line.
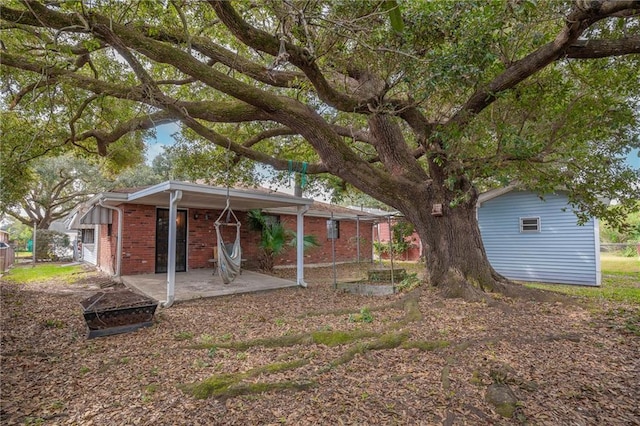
(243,151)
(590,49)
(301,58)
(232,60)
(577,22)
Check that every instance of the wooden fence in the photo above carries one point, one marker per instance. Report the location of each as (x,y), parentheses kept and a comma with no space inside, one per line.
(7,257)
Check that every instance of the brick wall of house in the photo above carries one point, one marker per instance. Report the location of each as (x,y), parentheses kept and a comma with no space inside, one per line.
(346,244)
(202,237)
(412,254)
(139,240)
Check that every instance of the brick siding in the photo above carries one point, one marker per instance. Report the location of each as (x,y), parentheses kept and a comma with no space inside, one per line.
(139,240)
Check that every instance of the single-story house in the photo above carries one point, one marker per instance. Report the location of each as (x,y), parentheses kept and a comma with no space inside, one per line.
(529,238)
(149,230)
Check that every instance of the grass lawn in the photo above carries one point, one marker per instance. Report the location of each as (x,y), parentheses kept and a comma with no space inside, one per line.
(620,281)
(613,264)
(44,272)
(24,255)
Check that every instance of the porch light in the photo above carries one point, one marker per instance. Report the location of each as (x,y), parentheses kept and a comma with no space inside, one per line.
(196,216)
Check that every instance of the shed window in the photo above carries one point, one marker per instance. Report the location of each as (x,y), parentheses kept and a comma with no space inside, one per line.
(88,236)
(529,224)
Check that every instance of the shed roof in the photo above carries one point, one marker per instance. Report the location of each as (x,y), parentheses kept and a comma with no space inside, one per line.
(494,193)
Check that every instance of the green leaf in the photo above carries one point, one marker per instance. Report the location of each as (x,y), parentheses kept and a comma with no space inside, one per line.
(395,16)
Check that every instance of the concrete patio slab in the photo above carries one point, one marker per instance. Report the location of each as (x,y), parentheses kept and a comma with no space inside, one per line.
(200,283)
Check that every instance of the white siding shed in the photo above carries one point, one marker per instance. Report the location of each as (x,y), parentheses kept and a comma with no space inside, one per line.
(532,239)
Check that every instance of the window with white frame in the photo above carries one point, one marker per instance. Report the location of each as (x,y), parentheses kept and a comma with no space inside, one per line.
(88,236)
(529,224)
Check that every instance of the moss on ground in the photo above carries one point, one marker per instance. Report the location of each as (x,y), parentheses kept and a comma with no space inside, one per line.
(386,341)
(426,345)
(229,385)
(337,338)
(359,342)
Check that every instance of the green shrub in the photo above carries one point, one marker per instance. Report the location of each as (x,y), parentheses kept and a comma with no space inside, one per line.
(409,282)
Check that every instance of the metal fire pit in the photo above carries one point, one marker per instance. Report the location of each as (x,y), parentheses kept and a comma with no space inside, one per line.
(115,312)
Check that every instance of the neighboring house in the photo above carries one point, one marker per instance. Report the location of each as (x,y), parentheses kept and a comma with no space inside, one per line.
(383,236)
(532,239)
(84,247)
(140,216)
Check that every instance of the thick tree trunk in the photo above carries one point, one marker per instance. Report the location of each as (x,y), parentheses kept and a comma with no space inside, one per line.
(456,261)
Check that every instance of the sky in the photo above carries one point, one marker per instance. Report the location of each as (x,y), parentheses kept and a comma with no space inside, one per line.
(634,159)
(163,138)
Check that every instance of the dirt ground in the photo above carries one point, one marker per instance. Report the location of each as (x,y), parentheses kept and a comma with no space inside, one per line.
(277,358)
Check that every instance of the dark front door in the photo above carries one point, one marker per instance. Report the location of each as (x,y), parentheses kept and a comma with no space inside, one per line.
(162,240)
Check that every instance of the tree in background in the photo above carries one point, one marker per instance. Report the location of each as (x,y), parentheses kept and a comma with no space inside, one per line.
(629,234)
(133,177)
(417,104)
(59,185)
(19,233)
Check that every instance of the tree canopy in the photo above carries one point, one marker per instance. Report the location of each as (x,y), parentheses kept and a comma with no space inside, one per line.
(413,103)
(56,185)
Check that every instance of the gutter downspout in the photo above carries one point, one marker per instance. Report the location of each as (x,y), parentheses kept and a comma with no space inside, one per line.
(300,245)
(174,198)
(119,244)
(358,238)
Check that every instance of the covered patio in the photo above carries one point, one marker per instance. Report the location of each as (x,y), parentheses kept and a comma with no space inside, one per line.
(177,199)
(201,283)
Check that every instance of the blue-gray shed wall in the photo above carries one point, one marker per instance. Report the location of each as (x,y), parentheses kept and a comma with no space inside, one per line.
(562,252)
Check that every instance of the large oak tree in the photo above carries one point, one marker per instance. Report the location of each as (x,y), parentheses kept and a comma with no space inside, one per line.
(415,103)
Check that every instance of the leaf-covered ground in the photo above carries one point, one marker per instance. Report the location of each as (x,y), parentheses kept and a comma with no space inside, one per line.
(314,356)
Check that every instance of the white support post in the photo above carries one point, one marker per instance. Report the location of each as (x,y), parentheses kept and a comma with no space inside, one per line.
(174,198)
(358,238)
(300,245)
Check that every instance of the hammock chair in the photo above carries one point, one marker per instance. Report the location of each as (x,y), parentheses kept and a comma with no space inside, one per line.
(229,255)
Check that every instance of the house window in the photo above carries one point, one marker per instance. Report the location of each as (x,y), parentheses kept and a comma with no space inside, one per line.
(271,220)
(109,229)
(88,236)
(529,224)
(333,229)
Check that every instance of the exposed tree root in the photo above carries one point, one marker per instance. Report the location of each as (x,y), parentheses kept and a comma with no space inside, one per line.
(358,341)
(456,285)
(228,385)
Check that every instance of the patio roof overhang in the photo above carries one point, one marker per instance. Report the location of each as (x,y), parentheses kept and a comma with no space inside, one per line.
(205,197)
(328,214)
